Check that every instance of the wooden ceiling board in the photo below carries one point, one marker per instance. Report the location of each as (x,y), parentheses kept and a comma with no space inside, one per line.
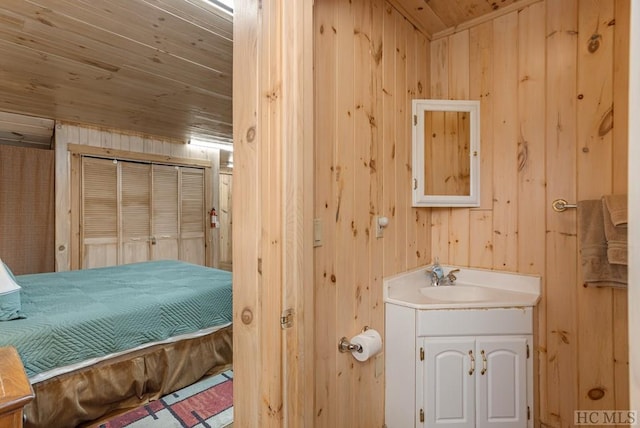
(142,23)
(20,130)
(454,13)
(26,124)
(24,140)
(32,72)
(157,67)
(420,15)
(110,51)
(100,112)
(438,16)
(198,12)
(171,103)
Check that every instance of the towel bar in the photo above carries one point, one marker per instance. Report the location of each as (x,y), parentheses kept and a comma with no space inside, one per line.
(560,205)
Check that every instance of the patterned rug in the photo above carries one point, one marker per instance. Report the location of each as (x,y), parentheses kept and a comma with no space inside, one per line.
(206,404)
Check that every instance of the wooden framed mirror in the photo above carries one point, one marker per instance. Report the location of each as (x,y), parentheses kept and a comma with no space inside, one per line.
(446,153)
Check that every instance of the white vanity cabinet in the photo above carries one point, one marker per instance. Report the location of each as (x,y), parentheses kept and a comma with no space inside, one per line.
(459,355)
(473,382)
(459,367)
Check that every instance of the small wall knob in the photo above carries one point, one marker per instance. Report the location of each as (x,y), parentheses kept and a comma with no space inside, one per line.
(381,223)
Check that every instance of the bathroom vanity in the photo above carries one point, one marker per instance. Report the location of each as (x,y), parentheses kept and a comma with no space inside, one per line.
(459,355)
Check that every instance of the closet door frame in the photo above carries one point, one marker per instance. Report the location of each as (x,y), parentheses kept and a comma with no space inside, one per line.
(77,151)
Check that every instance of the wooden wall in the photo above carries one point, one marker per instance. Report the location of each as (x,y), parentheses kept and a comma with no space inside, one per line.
(369,63)
(548,77)
(94,137)
(547,108)
(273,209)
(634,207)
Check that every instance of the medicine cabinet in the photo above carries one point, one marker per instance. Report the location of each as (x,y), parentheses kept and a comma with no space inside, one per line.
(446,153)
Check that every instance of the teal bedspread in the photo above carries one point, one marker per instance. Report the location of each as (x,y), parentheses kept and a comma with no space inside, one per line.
(77,315)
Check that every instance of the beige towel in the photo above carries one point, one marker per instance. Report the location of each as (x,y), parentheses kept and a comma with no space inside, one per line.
(616,235)
(596,269)
(617,207)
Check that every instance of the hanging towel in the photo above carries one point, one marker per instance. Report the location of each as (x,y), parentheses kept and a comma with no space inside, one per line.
(596,269)
(617,207)
(615,231)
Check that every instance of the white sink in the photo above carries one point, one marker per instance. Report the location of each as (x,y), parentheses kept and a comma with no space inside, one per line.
(474,288)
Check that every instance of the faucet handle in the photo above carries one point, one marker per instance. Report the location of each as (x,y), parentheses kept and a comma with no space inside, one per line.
(433,275)
(450,276)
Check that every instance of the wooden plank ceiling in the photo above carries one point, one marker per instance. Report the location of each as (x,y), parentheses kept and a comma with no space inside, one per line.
(158,67)
(434,16)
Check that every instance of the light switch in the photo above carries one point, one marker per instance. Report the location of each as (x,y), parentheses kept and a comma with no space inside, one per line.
(317,232)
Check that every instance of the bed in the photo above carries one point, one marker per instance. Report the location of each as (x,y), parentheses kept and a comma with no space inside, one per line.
(97,342)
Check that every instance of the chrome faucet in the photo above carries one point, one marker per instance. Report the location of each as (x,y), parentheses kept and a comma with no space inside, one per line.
(448,279)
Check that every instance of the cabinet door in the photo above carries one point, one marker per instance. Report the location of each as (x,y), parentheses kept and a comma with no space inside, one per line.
(501,399)
(449,382)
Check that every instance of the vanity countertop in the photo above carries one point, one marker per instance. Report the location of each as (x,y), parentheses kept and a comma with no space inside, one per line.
(474,288)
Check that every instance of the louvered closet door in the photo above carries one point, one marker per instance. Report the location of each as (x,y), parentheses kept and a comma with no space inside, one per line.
(192,219)
(165,213)
(135,202)
(99,231)
(133,212)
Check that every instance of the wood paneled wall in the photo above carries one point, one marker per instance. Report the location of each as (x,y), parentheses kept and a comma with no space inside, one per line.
(273,207)
(548,77)
(123,141)
(370,62)
(634,206)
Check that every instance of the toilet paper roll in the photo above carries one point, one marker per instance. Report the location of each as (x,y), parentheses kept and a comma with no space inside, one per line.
(371,343)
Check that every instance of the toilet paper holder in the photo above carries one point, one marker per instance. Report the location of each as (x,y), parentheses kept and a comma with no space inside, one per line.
(345,346)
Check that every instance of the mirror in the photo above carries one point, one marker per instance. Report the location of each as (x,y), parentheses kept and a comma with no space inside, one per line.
(446,153)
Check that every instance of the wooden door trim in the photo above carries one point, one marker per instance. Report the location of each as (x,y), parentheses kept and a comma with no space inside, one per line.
(75,243)
(126,155)
(273,209)
(77,239)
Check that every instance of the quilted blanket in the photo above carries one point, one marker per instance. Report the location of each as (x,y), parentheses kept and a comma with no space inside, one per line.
(78,315)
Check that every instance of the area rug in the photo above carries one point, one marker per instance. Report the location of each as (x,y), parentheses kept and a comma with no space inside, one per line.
(205,404)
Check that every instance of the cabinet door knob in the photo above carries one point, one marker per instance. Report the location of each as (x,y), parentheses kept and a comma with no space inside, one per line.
(473,363)
(484,362)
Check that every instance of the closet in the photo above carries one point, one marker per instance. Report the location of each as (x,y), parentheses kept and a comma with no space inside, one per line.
(133,211)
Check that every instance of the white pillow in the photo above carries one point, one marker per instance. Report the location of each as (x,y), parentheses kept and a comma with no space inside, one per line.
(10,304)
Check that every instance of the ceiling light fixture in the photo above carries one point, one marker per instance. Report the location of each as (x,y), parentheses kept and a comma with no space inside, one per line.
(226,5)
(212,144)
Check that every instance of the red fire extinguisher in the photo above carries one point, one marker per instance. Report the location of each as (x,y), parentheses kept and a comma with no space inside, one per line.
(214,218)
